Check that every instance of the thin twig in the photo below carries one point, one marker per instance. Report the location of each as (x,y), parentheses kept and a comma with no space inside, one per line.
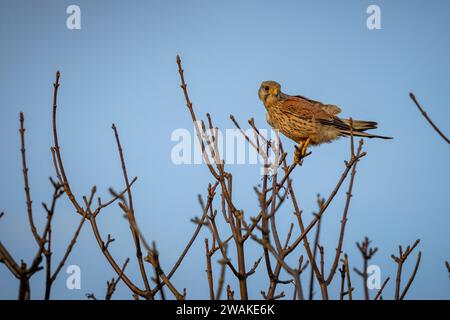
(153,258)
(413,97)
(209,270)
(367,253)
(400,260)
(111,286)
(411,279)
(347,205)
(130,213)
(381,289)
(26,184)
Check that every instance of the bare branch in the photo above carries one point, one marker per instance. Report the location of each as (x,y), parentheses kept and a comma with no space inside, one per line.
(381,289)
(400,260)
(367,253)
(130,213)
(111,286)
(26,184)
(413,98)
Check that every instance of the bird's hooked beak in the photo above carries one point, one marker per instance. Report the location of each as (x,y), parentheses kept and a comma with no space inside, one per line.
(273,91)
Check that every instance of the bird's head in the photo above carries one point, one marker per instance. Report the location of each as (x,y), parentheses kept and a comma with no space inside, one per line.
(269,91)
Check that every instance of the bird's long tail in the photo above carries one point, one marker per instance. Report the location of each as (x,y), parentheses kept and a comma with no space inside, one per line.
(361,125)
(358,133)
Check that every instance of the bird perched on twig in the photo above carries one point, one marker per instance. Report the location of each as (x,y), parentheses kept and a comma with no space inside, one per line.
(308,121)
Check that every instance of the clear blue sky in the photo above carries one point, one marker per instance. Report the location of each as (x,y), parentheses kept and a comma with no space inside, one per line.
(120,67)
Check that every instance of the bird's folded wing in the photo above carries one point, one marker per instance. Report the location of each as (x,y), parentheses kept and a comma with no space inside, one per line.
(331,109)
(307,110)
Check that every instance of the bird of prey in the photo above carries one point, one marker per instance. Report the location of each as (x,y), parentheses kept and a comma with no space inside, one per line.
(307,121)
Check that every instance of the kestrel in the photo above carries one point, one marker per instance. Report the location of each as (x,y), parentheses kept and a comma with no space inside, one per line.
(308,121)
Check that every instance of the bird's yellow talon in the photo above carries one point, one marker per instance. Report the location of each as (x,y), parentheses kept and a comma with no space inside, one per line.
(297,155)
(305,146)
(300,151)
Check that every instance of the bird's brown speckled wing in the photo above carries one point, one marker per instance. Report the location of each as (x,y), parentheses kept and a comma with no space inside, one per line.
(304,109)
(329,108)
(313,111)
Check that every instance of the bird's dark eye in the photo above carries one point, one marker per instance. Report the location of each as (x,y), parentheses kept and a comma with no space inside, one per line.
(266,88)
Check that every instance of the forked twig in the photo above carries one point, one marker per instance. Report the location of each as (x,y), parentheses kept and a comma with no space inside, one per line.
(400,260)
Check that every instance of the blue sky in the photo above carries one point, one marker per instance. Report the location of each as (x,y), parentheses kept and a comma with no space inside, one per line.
(120,67)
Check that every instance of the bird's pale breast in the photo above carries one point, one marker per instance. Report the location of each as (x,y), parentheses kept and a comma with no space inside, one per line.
(293,127)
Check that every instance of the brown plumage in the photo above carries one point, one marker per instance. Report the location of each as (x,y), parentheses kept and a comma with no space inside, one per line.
(300,118)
